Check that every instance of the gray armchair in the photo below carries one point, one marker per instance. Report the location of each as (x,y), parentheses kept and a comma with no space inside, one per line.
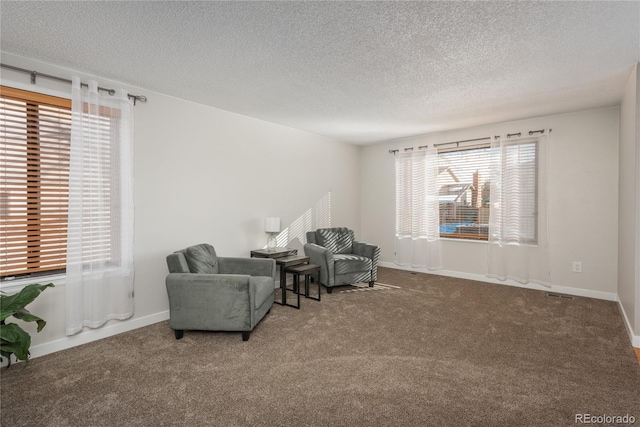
(342,259)
(212,293)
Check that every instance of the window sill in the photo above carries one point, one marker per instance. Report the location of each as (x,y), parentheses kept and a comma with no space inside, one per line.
(16,285)
(454,239)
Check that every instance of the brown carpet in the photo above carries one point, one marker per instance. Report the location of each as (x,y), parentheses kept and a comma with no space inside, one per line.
(423,351)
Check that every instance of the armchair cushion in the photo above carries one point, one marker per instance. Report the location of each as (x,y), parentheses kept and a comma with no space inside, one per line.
(202,259)
(349,263)
(177,263)
(338,240)
(250,266)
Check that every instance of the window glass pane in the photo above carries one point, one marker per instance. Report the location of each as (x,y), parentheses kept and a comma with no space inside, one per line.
(464,192)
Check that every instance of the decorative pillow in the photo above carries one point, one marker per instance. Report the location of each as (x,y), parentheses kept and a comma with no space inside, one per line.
(202,259)
(338,241)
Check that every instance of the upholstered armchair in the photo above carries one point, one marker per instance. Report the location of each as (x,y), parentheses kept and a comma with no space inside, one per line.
(211,293)
(342,259)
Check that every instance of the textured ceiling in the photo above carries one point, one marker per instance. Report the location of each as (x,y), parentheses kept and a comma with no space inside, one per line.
(360,72)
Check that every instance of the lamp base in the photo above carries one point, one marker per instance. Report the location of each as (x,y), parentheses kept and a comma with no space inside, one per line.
(271,242)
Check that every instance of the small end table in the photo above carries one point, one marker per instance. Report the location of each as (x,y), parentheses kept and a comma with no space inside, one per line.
(284,263)
(305,270)
(275,253)
(284,257)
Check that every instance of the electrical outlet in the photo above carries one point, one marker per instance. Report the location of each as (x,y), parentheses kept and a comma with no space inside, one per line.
(577,267)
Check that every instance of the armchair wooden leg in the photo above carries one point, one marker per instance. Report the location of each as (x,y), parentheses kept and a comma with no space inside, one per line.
(245,335)
(329,290)
(179,334)
(371,284)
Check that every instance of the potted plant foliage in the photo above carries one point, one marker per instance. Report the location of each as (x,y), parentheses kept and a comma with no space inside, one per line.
(13,339)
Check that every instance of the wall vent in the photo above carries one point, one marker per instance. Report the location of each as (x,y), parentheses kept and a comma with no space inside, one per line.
(559,296)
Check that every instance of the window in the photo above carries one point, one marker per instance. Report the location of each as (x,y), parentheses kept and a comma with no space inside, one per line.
(464,181)
(35,133)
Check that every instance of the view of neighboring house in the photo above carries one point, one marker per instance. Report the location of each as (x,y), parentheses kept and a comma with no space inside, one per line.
(464,194)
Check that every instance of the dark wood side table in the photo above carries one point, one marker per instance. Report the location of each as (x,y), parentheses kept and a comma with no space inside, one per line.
(284,257)
(305,270)
(276,253)
(284,263)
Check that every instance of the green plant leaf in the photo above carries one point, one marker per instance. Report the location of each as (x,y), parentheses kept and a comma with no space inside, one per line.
(13,339)
(15,349)
(11,304)
(7,355)
(26,316)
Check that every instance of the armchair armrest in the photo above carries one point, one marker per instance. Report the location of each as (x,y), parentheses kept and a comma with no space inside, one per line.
(370,251)
(323,257)
(249,266)
(199,301)
(365,249)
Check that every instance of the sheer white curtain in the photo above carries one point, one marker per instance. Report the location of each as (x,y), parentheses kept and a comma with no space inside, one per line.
(417,210)
(99,282)
(518,246)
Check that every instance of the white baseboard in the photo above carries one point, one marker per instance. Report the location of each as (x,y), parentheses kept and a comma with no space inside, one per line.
(608,296)
(88,335)
(635,339)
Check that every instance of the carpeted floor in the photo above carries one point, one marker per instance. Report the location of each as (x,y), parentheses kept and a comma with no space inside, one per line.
(416,350)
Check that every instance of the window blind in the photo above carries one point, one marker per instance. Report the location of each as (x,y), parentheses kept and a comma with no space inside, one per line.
(34,182)
(519,192)
(98,187)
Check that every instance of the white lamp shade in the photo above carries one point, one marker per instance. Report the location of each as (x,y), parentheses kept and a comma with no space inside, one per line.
(272,225)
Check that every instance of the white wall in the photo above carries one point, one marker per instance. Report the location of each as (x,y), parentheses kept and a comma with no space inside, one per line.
(628,212)
(583,199)
(206,175)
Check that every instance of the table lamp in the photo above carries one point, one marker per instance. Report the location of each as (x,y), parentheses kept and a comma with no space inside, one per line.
(272,227)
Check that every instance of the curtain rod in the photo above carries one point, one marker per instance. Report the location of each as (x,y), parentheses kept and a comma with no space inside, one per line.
(35,74)
(444,143)
(531,132)
(464,140)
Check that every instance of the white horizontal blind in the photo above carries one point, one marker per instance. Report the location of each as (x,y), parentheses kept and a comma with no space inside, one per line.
(464,191)
(34,176)
(97,184)
(518,201)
